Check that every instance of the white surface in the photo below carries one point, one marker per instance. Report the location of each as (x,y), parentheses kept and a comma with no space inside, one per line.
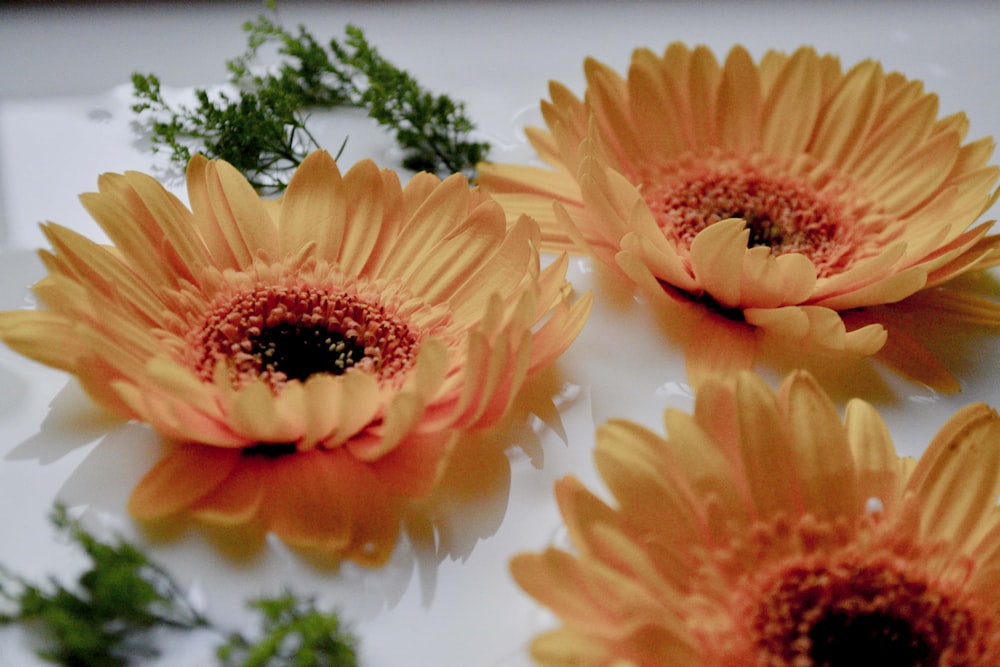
(64,119)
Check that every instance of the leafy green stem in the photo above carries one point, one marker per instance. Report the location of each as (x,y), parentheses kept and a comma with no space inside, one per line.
(107,618)
(262,129)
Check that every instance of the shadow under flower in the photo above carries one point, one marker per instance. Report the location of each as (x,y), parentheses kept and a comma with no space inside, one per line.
(72,421)
(933,342)
(468,505)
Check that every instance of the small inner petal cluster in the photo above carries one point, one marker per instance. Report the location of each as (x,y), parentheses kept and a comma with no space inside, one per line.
(782,212)
(280,333)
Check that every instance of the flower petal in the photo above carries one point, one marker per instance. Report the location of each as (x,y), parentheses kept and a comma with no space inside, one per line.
(720,348)
(768,451)
(823,459)
(792,105)
(313,209)
(714,252)
(957,479)
(181,478)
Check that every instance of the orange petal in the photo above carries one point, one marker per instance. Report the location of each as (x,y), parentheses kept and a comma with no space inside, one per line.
(102,270)
(248,224)
(180,479)
(703,82)
(224,244)
(661,259)
(904,352)
(237,500)
(413,468)
(368,218)
(705,464)
(607,95)
(255,414)
(436,212)
(584,592)
(718,348)
(328,500)
(769,282)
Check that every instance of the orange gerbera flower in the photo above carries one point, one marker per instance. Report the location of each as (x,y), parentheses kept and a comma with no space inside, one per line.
(784,202)
(316,357)
(765,530)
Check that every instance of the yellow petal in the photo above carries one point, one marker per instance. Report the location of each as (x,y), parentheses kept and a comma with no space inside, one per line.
(652,89)
(767,451)
(850,115)
(714,252)
(770,282)
(44,336)
(739,103)
(957,480)
(792,105)
(313,208)
(632,462)
(824,465)
(254,412)
(875,459)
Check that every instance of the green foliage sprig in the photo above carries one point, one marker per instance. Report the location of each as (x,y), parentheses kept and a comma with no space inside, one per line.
(263,133)
(107,619)
(293,634)
(262,130)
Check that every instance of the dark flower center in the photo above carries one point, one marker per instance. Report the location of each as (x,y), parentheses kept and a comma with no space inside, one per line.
(868,615)
(300,351)
(291,333)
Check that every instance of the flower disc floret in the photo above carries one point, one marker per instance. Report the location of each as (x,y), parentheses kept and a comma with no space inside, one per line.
(292,333)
